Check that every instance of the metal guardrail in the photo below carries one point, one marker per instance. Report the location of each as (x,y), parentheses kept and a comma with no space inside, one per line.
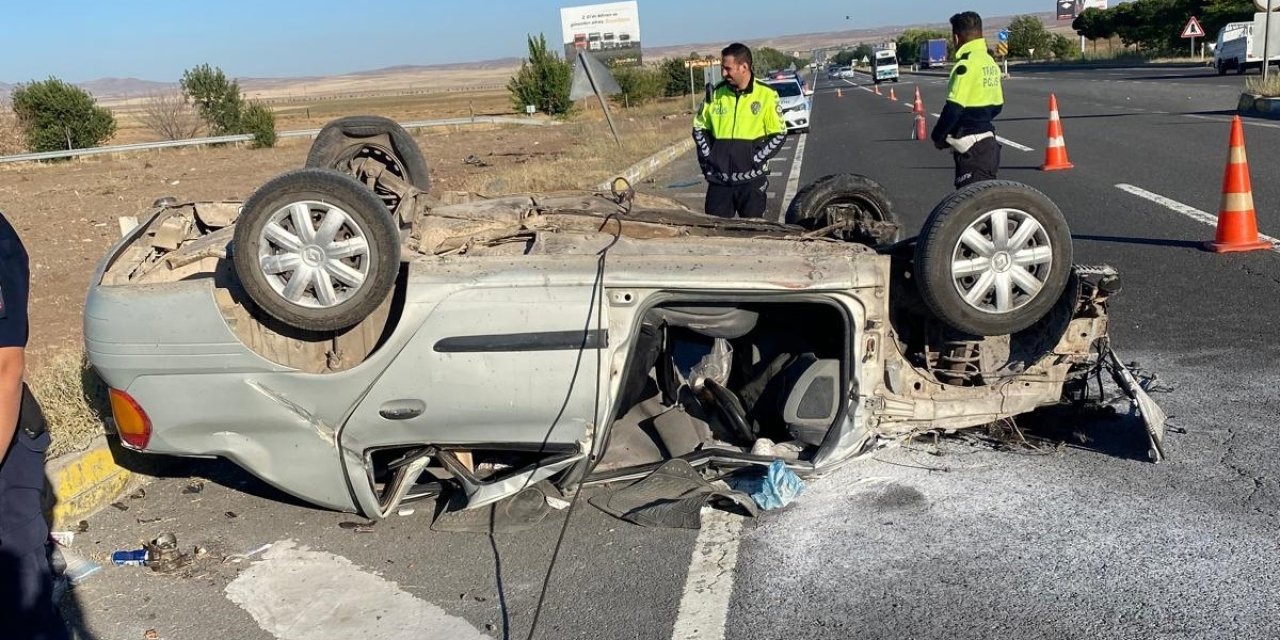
(245,137)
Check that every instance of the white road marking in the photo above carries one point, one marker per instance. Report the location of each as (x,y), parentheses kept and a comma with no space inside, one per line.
(298,594)
(793,178)
(1227,120)
(1186,210)
(709,585)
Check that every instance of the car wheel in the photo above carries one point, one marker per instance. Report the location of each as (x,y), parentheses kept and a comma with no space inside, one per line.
(343,144)
(1222,68)
(1240,68)
(316,250)
(993,258)
(857,206)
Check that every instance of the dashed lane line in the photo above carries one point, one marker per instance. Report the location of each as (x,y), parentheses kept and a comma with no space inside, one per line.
(704,607)
(1186,210)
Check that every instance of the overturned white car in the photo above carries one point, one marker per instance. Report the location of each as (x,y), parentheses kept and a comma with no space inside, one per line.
(356,343)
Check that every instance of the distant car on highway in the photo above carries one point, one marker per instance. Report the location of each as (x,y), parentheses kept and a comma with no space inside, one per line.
(847,73)
(794,102)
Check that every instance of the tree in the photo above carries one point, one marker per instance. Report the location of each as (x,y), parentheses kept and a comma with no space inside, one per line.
(845,58)
(1027,33)
(217,98)
(170,116)
(55,115)
(259,120)
(1095,24)
(544,80)
(1062,47)
(863,50)
(640,84)
(768,58)
(675,76)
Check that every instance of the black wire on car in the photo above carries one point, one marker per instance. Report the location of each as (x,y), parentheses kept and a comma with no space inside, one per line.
(597,286)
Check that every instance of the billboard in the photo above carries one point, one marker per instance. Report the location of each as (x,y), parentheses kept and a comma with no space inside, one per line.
(1069,9)
(610,32)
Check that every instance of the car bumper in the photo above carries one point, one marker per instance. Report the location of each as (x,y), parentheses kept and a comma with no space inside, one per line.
(796,120)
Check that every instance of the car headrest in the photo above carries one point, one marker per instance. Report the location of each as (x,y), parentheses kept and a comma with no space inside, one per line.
(814,400)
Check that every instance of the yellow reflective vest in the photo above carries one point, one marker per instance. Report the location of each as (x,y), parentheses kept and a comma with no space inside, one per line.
(735,132)
(975,94)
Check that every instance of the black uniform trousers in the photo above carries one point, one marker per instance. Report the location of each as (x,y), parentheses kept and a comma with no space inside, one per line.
(27,609)
(746,200)
(980,162)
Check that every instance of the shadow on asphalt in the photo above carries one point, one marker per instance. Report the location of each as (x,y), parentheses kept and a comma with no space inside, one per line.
(218,471)
(1100,431)
(1152,242)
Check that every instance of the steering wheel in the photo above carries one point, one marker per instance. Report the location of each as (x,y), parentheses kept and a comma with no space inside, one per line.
(731,410)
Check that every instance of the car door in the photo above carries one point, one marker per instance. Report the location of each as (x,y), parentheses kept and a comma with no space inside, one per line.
(505,361)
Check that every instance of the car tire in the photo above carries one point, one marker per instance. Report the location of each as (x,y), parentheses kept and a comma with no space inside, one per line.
(345,280)
(1222,68)
(381,139)
(848,198)
(1012,286)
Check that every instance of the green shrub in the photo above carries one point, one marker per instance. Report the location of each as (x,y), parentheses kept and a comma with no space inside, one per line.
(259,120)
(544,80)
(55,115)
(640,84)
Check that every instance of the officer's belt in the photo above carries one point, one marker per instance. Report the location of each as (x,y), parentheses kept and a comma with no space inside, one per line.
(964,143)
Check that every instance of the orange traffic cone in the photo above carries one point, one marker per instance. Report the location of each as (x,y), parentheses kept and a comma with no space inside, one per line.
(918,132)
(893,95)
(1237,219)
(878,90)
(839,93)
(1055,157)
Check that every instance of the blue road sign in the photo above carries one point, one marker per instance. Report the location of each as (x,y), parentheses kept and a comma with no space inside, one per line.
(1003,35)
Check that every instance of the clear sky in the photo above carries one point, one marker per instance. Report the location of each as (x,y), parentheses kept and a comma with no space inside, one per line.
(80,40)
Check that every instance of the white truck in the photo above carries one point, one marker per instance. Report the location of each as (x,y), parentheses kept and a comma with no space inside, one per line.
(1239,45)
(884,65)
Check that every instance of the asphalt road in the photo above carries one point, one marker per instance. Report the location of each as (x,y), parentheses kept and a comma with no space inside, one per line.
(928,541)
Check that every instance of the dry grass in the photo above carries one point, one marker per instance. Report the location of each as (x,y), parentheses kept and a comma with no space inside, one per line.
(313,113)
(1268,87)
(74,400)
(595,157)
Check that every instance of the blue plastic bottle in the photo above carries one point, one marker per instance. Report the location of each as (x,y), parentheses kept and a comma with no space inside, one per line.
(136,558)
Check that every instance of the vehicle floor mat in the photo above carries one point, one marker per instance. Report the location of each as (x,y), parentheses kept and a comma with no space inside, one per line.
(517,513)
(671,497)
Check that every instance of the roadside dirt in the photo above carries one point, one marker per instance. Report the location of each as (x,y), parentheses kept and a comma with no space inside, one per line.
(68,213)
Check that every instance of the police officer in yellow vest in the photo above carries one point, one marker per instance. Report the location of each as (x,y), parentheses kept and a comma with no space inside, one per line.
(974,98)
(736,131)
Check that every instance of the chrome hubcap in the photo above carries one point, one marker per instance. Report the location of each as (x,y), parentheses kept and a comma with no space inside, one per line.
(1001,261)
(313,254)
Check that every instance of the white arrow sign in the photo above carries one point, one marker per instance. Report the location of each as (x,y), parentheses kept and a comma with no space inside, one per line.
(1193,29)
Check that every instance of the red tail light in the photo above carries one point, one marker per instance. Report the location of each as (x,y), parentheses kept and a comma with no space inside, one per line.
(132,422)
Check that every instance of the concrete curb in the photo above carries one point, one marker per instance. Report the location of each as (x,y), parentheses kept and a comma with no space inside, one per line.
(1259,107)
(647,167)
(85,481)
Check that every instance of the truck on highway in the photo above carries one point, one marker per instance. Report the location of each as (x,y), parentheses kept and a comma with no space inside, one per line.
(884,65)
(932,53)
(1239,45)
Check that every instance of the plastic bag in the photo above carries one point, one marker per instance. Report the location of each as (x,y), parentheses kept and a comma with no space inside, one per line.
(774,489)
